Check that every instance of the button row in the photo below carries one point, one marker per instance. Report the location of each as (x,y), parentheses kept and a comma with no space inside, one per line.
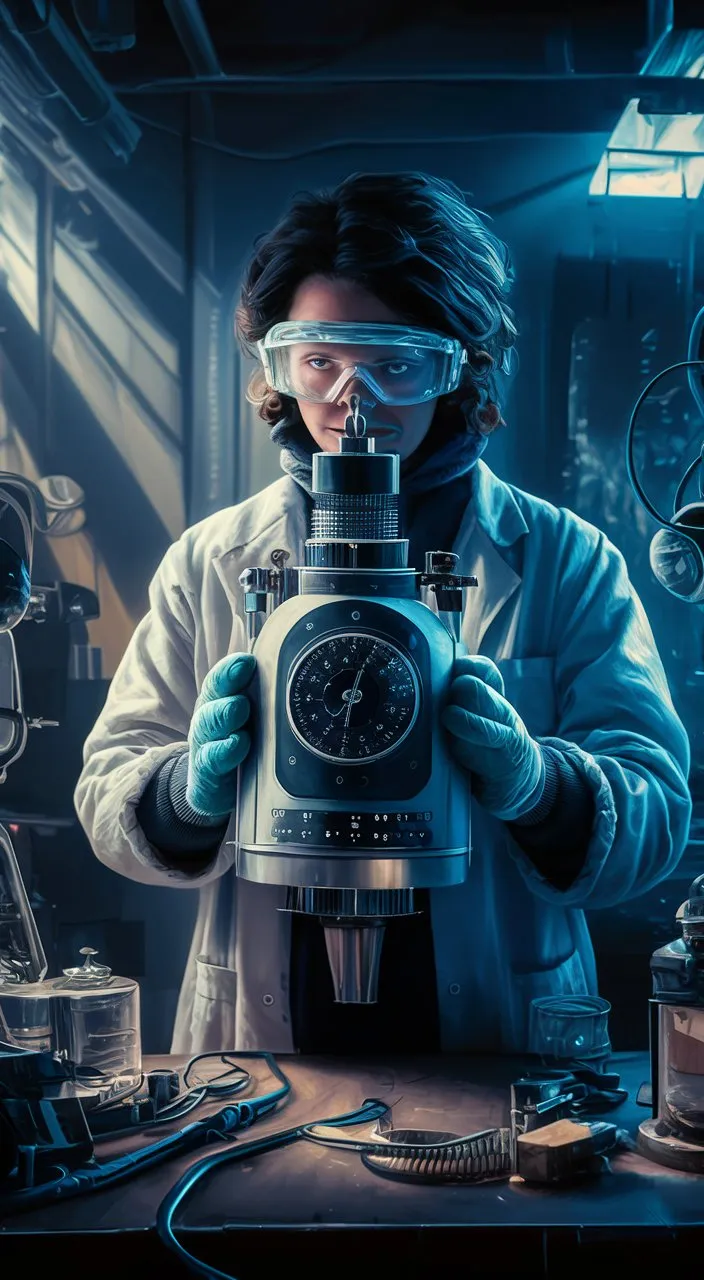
(349,839)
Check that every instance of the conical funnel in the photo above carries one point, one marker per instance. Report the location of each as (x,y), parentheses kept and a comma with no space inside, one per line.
(354,953)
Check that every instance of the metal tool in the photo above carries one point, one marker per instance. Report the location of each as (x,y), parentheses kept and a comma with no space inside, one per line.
(546,1140)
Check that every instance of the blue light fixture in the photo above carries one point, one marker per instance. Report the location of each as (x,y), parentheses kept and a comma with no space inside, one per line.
(658,155)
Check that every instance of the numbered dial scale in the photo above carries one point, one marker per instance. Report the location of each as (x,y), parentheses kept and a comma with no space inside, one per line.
(352,697)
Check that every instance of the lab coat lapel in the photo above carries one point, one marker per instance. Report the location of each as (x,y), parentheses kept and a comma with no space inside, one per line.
(278,520)
(492,520)
(497,583)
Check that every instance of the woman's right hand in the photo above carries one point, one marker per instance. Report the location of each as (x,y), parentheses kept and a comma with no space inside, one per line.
(217,739)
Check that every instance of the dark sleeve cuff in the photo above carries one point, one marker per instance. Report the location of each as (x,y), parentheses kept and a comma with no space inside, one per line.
(546,803)
(171,826)
(556,833)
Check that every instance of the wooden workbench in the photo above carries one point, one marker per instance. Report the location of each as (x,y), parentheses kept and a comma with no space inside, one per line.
(321,1208)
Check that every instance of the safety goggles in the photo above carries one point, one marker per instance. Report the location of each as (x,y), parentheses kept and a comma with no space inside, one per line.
(317,361)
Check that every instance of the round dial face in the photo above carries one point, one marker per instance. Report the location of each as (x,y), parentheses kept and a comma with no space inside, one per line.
(352,698)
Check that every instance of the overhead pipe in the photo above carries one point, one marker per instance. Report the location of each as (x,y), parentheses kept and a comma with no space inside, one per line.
(42,33)
(192,30)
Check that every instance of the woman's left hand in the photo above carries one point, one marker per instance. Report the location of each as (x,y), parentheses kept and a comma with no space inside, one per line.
(490,739)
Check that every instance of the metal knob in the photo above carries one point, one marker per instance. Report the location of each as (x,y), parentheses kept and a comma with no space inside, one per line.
(90,971)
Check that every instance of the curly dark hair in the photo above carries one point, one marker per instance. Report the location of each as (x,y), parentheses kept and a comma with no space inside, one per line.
(411,240)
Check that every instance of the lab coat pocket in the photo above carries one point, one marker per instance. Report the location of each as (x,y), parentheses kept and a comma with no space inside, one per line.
(214,1005)
(564,979)
(530,688)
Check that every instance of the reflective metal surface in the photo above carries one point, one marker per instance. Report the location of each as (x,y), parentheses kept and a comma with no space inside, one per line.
(354,952)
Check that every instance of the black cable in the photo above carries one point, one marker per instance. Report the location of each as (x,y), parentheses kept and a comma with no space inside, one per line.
(97,1176)
(630,439)
(502,206)
(185,1102)
(196,1094)
(200,1057)
(335,144)
(682,486)
(355,79)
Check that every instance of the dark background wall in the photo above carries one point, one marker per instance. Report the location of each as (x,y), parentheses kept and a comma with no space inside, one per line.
(123,230)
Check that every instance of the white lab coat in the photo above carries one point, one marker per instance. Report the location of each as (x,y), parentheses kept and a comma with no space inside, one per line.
(555,610)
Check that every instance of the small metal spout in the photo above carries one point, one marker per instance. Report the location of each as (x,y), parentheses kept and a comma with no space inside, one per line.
(354,953)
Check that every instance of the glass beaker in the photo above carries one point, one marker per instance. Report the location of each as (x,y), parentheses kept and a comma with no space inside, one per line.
(568,1028)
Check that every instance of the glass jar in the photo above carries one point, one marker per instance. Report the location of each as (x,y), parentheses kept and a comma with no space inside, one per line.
(90,1018)
(565,1028)
(681,1069)
(99,1031)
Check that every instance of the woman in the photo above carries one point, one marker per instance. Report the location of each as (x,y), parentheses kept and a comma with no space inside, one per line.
(563,720)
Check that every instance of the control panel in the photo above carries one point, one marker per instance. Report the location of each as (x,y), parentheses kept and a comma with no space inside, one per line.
(387,829)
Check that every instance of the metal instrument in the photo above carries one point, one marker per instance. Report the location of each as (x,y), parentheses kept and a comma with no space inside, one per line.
(88,1019)
(350,797)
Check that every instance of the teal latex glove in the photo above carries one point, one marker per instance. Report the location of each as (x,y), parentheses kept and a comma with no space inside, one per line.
(217,740)
(490,739)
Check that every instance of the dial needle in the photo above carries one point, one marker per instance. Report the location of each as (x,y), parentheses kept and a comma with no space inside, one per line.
(353,691)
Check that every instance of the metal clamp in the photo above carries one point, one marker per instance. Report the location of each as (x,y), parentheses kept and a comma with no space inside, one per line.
(447,587)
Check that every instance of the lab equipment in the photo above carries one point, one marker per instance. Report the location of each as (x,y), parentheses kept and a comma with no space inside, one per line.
(22,510)
(536,1145)
(350,796)
(42,1126)
(675,1134)
(398,365)
(54,1113)
(677,549)
(89,1018)
(569,1028)
(22,957)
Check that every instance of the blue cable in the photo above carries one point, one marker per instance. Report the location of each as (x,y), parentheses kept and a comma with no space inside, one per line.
(371,1109)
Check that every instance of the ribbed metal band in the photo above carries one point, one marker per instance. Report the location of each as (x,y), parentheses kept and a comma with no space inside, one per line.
(483,1155)
(362,553)
(356,904)
(355,515)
